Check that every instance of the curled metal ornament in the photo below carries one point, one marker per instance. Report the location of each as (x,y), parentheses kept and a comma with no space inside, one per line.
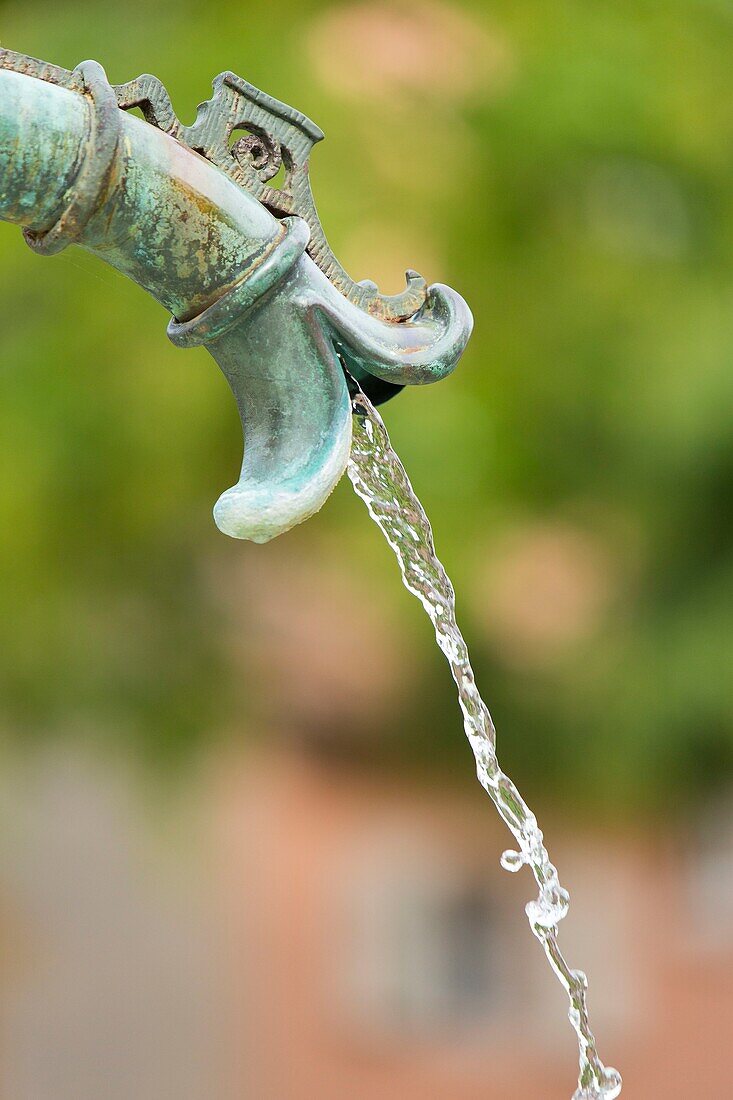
(259,153)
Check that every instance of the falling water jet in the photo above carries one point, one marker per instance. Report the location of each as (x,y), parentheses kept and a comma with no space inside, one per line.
(379,478)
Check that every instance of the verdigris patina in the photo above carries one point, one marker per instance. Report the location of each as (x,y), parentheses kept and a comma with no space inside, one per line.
(193,215)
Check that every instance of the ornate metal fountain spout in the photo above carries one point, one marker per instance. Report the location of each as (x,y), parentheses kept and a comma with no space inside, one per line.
(193,214)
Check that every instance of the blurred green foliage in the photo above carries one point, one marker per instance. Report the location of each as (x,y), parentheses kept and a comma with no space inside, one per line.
(569,168)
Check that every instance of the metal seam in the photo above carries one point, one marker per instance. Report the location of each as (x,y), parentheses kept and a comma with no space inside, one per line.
(277,261)
(96,165)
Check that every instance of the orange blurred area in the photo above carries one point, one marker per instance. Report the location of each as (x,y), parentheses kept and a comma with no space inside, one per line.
(305,928)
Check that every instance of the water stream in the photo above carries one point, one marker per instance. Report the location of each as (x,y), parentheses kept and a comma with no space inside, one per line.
(380,480)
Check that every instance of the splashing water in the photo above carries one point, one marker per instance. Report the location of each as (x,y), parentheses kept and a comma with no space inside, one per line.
(380,480)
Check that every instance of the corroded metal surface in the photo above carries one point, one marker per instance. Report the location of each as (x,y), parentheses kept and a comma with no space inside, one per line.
(249,135)
(75,168)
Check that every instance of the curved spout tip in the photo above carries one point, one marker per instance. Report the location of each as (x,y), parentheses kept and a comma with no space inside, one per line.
(260,510)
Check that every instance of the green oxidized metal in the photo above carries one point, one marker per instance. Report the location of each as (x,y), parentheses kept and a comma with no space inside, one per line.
(191,213)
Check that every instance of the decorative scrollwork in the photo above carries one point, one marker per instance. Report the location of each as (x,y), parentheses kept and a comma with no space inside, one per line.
(261,152)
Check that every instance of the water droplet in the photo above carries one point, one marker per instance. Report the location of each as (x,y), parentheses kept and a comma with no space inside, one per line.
(580,977)
(609,1088)
(549,908)
(611,1083)
(512,861)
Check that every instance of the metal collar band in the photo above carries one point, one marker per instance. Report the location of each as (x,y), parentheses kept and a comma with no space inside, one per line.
(96,164)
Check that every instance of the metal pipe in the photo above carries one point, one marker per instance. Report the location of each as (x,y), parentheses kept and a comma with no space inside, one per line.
(162,204)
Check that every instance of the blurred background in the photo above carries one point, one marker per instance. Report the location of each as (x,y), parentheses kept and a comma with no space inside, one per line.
(243,851)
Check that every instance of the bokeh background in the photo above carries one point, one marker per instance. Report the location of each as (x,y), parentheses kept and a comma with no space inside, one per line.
(244,855)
